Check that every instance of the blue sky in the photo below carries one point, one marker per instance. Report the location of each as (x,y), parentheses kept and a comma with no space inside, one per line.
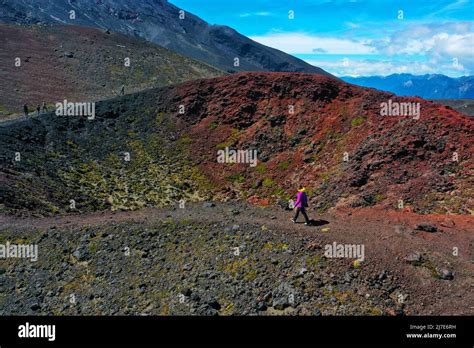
(356,37)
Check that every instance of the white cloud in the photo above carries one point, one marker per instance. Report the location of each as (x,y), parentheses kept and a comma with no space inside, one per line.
(352,25)
(440,43)
(258,14)
(454,46)
(456,5)
(368,67)
(300,43)
(445,48)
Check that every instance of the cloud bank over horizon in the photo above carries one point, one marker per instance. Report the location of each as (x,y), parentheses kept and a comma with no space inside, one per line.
(421,49)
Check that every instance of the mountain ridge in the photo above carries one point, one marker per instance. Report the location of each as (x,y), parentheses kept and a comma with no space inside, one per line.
(159,21)
(428,86)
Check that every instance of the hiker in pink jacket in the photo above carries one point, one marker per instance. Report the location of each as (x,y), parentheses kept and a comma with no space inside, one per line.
(301,204)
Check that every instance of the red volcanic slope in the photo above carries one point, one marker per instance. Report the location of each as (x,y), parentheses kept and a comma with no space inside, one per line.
(79,63)
(389,158)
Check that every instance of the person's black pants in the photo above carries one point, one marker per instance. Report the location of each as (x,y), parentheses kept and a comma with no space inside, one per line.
(303,211)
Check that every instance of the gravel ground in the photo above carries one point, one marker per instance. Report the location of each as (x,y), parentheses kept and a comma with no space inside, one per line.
(236,259)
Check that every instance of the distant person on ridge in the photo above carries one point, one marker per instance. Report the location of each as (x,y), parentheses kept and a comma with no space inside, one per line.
(45,108)
(38,109)
(301,204)
(122,90)
(25,109)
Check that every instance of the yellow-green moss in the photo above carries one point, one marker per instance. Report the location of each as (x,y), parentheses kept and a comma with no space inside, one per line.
(357,121)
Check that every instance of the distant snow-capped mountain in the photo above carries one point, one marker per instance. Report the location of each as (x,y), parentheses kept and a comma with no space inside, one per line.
(433,86)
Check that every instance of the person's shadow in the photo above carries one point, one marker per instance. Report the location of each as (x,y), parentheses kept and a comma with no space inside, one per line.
(321,222)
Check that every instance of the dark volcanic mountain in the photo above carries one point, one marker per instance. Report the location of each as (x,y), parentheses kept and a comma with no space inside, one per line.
(83,64)
(466,106)
(160,22)
(335,141)
(424,86)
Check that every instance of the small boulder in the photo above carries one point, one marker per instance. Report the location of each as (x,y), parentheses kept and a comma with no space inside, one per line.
(413,257)
(276,120)
(281,303)
(212,303)
(302,271)
(261,306)
(187,292)
(283,204)
(35,306)
(445,274)
(302,132)
(80,254)
(426,228)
